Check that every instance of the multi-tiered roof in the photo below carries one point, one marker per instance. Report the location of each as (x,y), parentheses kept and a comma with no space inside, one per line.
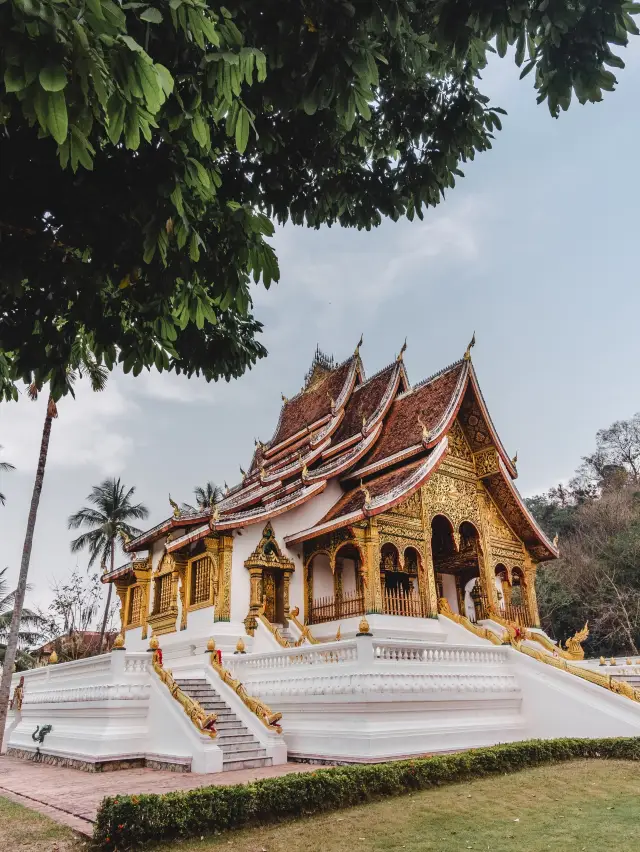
(380,438)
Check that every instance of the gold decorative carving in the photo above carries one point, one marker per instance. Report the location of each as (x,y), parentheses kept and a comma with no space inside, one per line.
(268,718)
(487,462)
(573,645)
(458,447)
(202,720)
(303,628)
(482,632)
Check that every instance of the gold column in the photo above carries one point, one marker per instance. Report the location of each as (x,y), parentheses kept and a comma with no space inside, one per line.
(225,553)
(530,592)
(373,586)
(122,592)
(428,587)
(486,567)
(181,571)
(145,585)
(286,581)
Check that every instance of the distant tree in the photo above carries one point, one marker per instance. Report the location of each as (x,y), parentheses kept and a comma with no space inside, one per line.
(598,574)
(206,496)
(32,626)
(70,618)
(4,467)
(147,148)
(109,521)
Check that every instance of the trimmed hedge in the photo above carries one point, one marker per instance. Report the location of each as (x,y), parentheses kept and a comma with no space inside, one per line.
(126,821)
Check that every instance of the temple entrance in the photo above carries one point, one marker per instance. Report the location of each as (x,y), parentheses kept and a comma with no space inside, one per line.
(272,595)
(457,567)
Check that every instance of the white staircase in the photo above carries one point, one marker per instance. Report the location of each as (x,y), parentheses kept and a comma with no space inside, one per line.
(286,633)
(241,750)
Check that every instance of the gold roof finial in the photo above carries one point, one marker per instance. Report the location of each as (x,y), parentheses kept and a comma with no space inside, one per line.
(357,352)
(215,515)
(263,473)
(514,460)
(402,350)
(284,399)
(426,433)
(472,343)
(243,472)
(258,443)
(364,422)
(332,402)
(175,507)
(226,487)
(556,538)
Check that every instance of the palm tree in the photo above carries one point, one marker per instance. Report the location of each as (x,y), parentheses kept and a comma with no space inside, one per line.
(108,522)
(206,496)
(85,364)
(4,467)
(31,625)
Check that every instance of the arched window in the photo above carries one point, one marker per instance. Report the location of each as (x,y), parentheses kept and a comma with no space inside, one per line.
(442,541)
(469,537)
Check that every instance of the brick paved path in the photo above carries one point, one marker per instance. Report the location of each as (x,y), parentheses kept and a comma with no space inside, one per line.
(72,797)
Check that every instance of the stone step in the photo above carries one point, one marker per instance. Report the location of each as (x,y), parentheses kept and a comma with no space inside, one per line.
(229,765)
(240,749)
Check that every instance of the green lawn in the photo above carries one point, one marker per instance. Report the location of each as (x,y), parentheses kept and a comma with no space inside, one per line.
(584,805)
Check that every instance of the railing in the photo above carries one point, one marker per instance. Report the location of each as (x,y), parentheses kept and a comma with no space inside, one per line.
(268,718)
(399,651)
(517,613)
(324,654)
(202,720)
(399,602)
(332,609)
(303,628)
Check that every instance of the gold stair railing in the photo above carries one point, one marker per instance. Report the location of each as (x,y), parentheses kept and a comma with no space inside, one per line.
(202,720)
(303,628)
(268,718)
(559,658)
(284,643)
(482,632)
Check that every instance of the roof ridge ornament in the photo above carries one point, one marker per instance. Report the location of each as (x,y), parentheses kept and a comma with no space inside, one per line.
(556,539)
(357,349)
(176,509)
(367,495)
(242,472)
(284,398)
(514,460)
(402,350)
(472,343)
(305,470)
(333,403)
(426,432)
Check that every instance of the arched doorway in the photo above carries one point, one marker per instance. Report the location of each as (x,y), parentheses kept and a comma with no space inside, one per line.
(457,567)
(348,584)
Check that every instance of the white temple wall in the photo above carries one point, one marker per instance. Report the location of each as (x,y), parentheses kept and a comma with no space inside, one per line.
(449,589)
(348,576)
(322,577)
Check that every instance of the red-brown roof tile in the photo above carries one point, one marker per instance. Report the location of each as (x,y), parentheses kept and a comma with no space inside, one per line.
(428,401)
(311,404)
(354,499)
(363,403)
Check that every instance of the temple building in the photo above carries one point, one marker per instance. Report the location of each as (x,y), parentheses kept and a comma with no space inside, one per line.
(365,592)
(372,497)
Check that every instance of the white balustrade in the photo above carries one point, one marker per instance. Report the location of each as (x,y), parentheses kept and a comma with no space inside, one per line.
(397,651)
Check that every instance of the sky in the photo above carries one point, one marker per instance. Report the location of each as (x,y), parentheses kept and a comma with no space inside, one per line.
(534,250)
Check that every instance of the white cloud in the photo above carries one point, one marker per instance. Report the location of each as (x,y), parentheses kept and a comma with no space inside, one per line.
(89,430)
(170,387)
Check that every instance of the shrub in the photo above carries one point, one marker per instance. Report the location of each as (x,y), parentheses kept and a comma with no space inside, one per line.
(126,821)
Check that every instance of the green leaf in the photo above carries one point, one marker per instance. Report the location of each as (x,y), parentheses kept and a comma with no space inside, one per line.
(14,80)
(115,113)
(57,119)
(153,16)
(53,78)
(96,8)
(131,43)
(166,80)
(242,131)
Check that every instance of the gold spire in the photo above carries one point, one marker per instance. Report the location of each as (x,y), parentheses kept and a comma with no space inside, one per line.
(472,343)
(175,507)
(426,433)
(402,350)
(357,352)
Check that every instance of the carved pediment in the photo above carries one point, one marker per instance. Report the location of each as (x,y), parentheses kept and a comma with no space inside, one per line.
(268,552)
(487,462)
